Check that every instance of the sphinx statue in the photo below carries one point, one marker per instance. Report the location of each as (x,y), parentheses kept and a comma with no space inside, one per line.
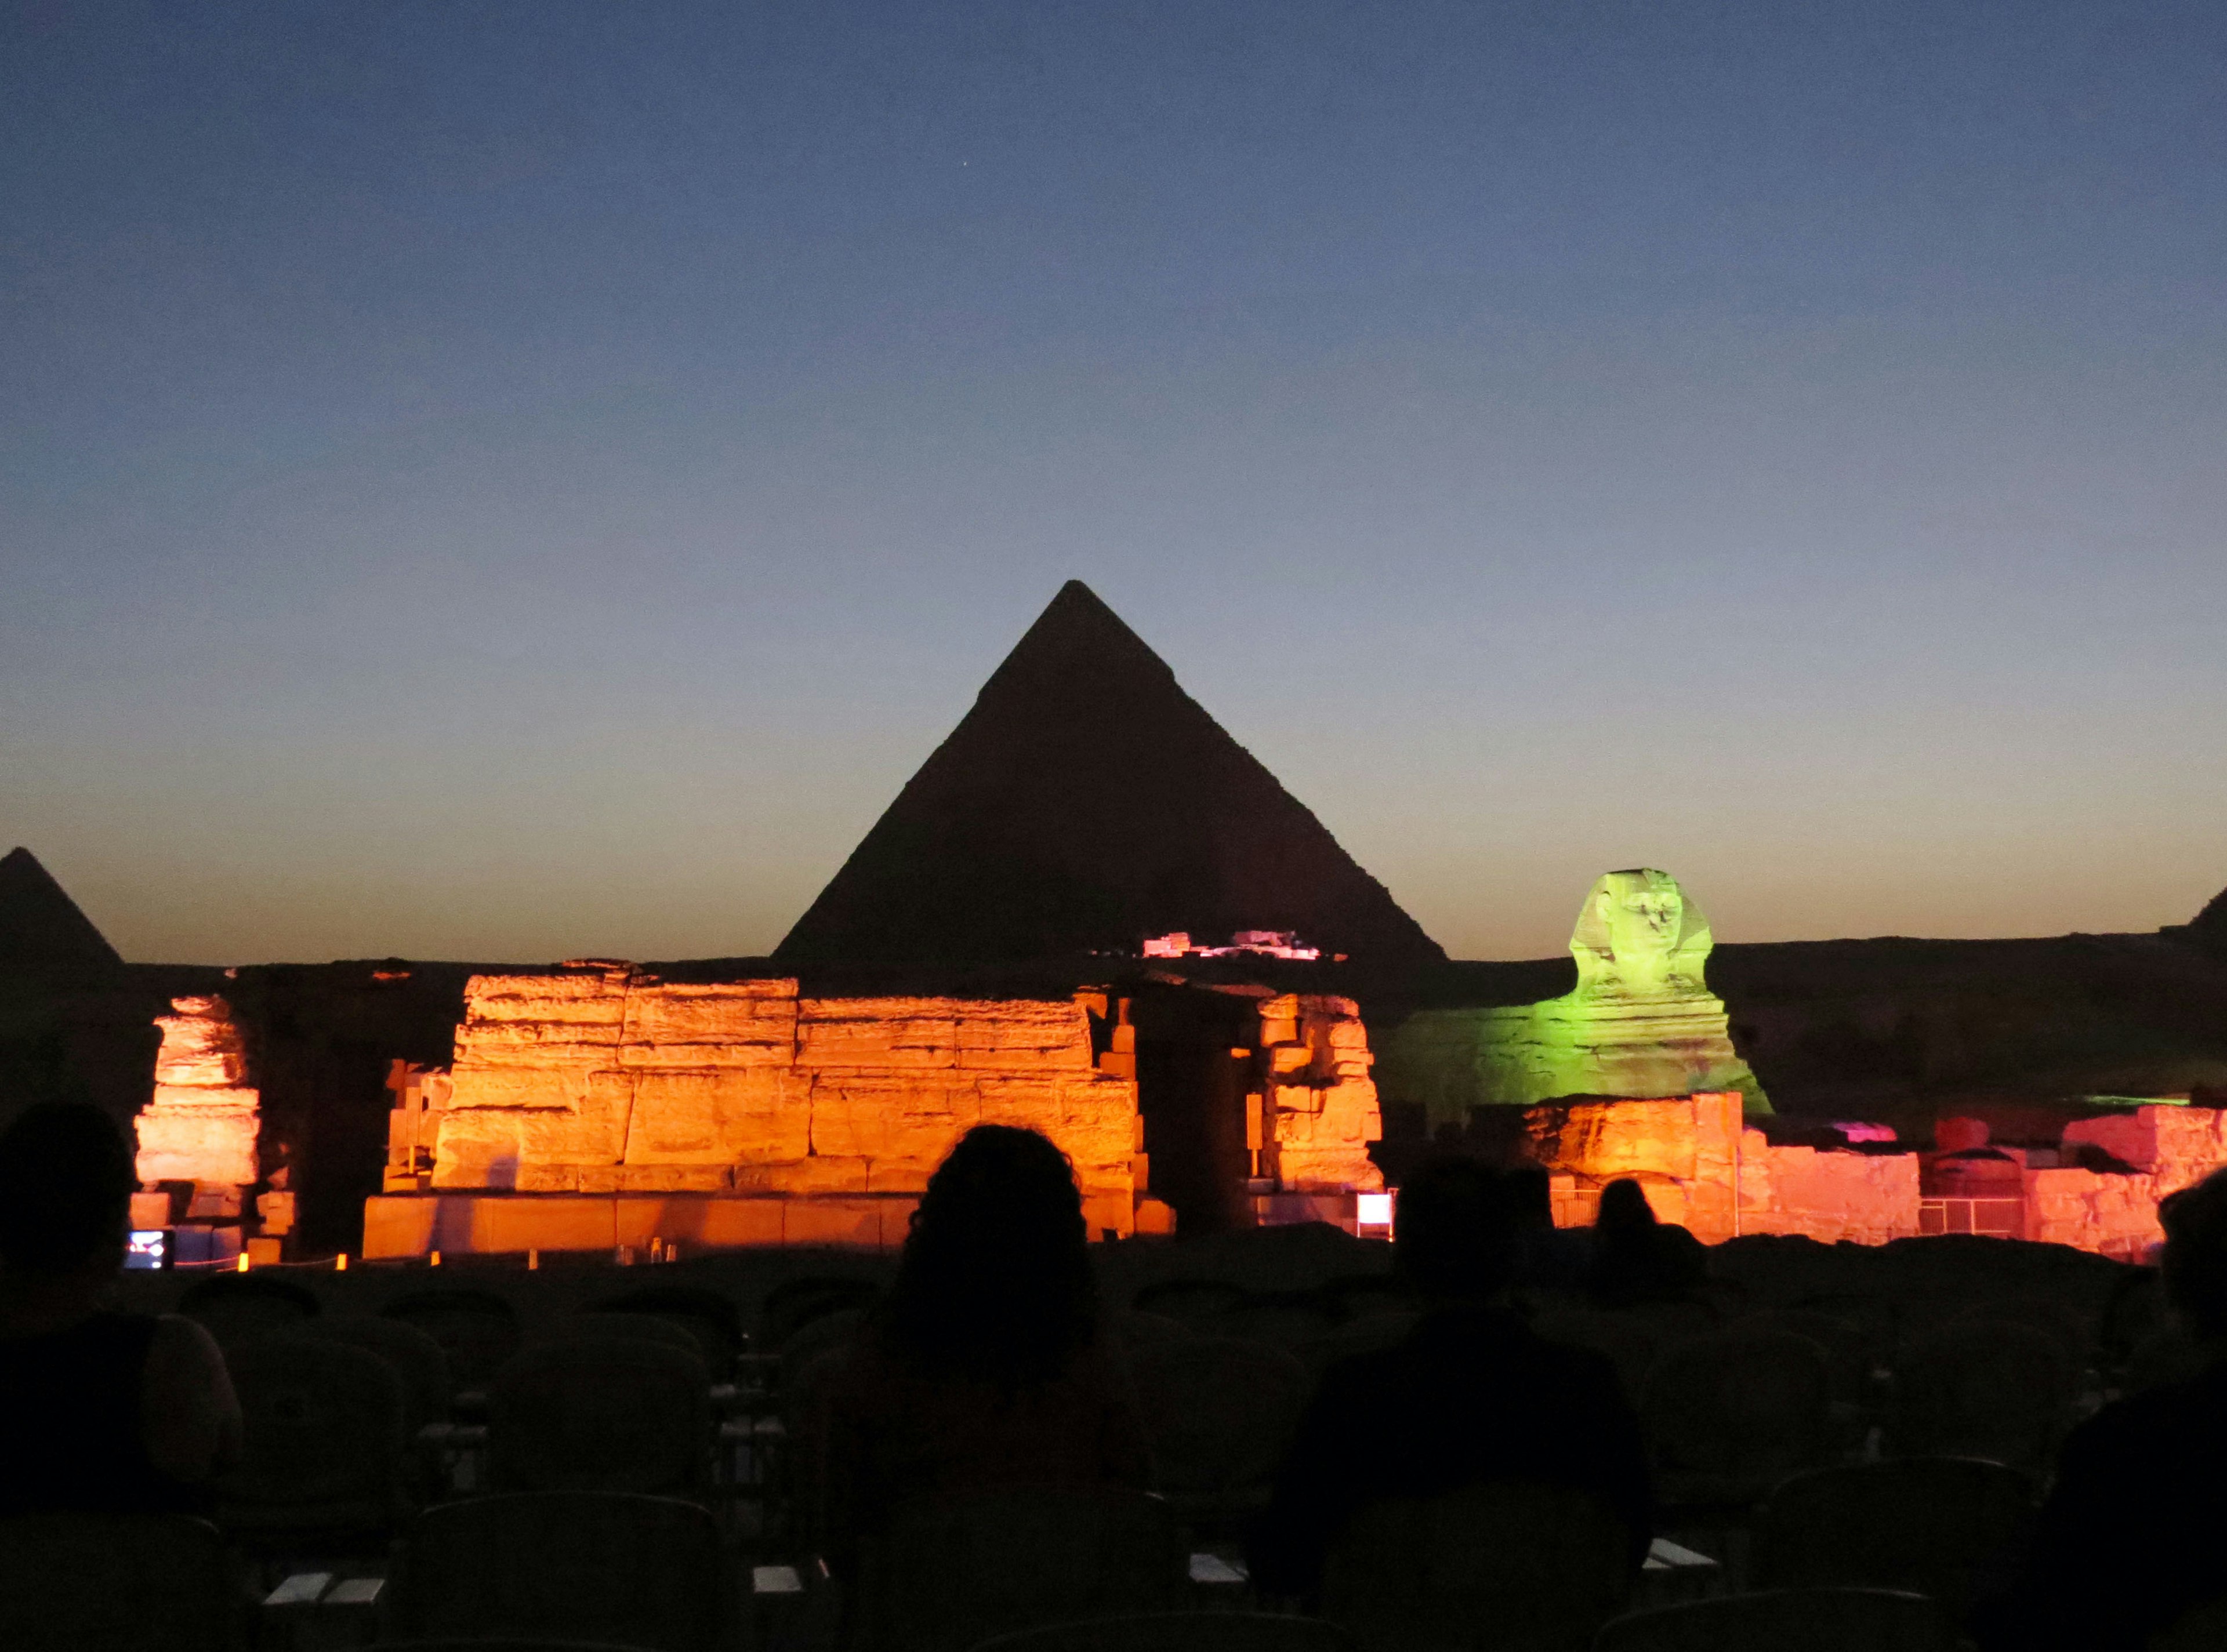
(1641,1022)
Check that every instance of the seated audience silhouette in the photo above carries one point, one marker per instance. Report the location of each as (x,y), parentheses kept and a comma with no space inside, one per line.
(1547,1258)
(1471,1397)
(1636,1258)
(984,1366)
(2133,1534)
(100,1411)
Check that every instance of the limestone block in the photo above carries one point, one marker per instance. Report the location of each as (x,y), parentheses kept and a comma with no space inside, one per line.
(1290,1058)
(524,1086)
(890,1119)
(877,1033)
(676,1118)
(764,1112)
(1608,1139)
(745,1012)
(672,1178)
(478,1148)
(852,1222)
(216,1148)
(181,1098)
(584,999)
(535,1043)
(1023,1035)
(766,1176)
(826,1174)
(594,1134)
(548,1178)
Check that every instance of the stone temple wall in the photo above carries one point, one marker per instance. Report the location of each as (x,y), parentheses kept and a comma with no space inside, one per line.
(784,1118)
(1321,1110)
(201,1124)
(1700,1168)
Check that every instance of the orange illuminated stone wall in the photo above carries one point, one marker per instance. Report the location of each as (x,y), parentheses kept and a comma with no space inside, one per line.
(2167,1148)
(199,1126)
(610,1082)
(1322,1103)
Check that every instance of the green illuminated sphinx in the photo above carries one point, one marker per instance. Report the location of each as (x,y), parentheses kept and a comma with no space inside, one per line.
(1642,1022)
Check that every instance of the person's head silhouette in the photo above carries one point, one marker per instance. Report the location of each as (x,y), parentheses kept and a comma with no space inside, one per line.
(69,1179)
(2194,1265)
(1624,1208)
(995,1281)
(1456,1235)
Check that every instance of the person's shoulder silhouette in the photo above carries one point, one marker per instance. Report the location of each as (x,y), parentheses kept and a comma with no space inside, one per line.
(100,1411)
(2133,1534)
(1471,1397)
(1637,1257)
(984,1365)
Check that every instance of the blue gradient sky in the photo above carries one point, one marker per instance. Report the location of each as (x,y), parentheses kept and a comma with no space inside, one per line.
(516,481)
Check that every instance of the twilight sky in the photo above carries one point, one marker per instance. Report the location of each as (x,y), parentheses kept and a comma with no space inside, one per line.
(515,481)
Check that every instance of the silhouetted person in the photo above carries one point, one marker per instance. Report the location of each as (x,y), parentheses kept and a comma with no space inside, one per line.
(1547,1258)
(1471,1397)
(1636,1257)
(984,1365)
(100,1411)
(2134,1531)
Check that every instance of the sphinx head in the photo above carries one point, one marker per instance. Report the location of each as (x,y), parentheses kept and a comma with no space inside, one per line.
(1638,934)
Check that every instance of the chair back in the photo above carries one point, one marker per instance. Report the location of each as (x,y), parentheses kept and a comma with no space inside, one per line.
(794,1304)
(321,1443)
(950,1573)
(1202,1631)
(415,1357)
(1627,1343)
(641,1327)
(1196,1303)
(1983,1388)
(116,1583)
(1505,1566)
(1730,1415)
(477,1329)
(1217,1413)
(600,1413)
(1933,1525)
(708,1315)
(1777,1620)
(599,1567)
(236,1308)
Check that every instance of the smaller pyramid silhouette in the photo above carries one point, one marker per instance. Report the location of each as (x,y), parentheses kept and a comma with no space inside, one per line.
(1084,803)
(41,930)
(2209,929)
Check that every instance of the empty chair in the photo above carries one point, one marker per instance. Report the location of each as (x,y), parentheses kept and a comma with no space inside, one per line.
(1982,1388)
(794,1304)
(1196,1303)
(416,1358)
(1363,1336)
(1205,1632)
(477,1329)
(1283,1319)
(236,1307)
(1217,1413)
(1729,1416)
(1135,1328)
(648,1327)
(1786,1620)
(1503,1565)
(116,1583)
(947,1574)
(1942,1527)
(710,1317)
(598,1567)
(600,1413)
(321,1447)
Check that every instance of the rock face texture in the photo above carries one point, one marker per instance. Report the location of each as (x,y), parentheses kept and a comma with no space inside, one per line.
(201,1124)
(1641,1022)
(1321,1103)
(611,1082)
(41,930)
(1085,803)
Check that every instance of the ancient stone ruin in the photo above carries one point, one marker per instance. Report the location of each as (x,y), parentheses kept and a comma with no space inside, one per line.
(1642,1022)
(198,1133)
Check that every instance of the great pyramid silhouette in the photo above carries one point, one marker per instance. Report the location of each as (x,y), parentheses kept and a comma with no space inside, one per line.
(42,931)
(1084,803)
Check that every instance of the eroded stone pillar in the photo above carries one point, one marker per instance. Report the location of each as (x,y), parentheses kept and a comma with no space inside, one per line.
(201,1124)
